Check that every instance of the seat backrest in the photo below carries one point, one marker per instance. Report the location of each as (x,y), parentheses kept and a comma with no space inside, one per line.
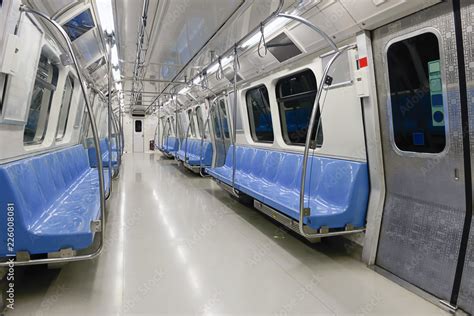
(337,182)
(207,152)
(259,162)
(271,166)
(248,160)
(35,183)
(289,170)
(228,157)
(240,157)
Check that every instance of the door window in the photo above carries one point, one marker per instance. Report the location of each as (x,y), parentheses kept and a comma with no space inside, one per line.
(138,126)
(416,94)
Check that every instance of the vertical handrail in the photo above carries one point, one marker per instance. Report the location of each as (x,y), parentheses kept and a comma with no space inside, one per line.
(168,122)
(186,142)
(212,104)
(234,122)
(316,108)
(95,133)
(119,162)
(217,111)
(201,153)
(109,113)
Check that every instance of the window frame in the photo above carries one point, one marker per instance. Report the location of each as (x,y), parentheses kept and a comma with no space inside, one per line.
(251,118)
(71,77)
(192,125)
(398,39)
(283,124)
(226,134)
(46,51)
(135,126)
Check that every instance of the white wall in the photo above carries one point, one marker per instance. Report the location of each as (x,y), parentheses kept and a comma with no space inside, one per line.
(150,127)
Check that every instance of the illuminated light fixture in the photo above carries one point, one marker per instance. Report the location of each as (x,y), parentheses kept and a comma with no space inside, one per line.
(269,29)
(184,90)
(115,59)
(252,41)
(224,62)
(116,75)
(106,15)
(197,80)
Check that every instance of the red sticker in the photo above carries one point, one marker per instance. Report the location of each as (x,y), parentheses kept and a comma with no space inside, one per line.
(363,62)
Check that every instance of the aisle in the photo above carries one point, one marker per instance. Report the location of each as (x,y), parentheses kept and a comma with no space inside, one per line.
(177,244)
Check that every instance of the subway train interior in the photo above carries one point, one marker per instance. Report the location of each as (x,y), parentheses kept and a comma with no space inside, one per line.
(236,157)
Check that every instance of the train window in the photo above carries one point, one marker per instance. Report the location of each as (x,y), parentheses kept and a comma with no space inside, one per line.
(416,94)
(192,127)
(80,112)
(296,95)
(40,104)
(173,126)
(260,116)
(79,25)
(217,124)
(65,107)
(224,118)
(200,121)
(238,117)
(138,126)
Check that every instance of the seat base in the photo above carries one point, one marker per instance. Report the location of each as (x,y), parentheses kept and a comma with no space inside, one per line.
(290,222)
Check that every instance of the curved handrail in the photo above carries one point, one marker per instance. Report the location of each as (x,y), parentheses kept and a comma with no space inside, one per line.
(109,120)
(234,124)
(203,134)
(95,133)
(117,140)
(186,141)
(306,22)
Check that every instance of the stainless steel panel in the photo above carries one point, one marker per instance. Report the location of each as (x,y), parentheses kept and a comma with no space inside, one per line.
(425,206)
(466,295)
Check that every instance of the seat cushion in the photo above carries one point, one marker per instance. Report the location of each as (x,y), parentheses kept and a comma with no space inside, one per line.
(56,197)
(336,190)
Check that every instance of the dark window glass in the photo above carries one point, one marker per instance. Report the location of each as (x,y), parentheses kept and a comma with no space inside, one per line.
(260,116)
(79,25)
(40,105)
(224,118)
(200,121)
(296,95)
(192,128)
(416,94)
(138,126)
(217,124)
(65,107)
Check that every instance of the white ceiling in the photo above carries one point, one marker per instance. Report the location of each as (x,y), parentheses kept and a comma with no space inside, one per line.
(177,30)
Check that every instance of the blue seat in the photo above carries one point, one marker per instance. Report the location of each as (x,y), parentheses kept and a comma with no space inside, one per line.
(55,196)
(192,152)
(336,191)
(170,146)
(104,148)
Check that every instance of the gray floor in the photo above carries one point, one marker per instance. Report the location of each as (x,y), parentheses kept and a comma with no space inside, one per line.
(177,244)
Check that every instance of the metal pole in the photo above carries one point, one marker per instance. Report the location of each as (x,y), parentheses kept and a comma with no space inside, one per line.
(234,122)
(303,211)
(211,105)
(109,113)
(98,155)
